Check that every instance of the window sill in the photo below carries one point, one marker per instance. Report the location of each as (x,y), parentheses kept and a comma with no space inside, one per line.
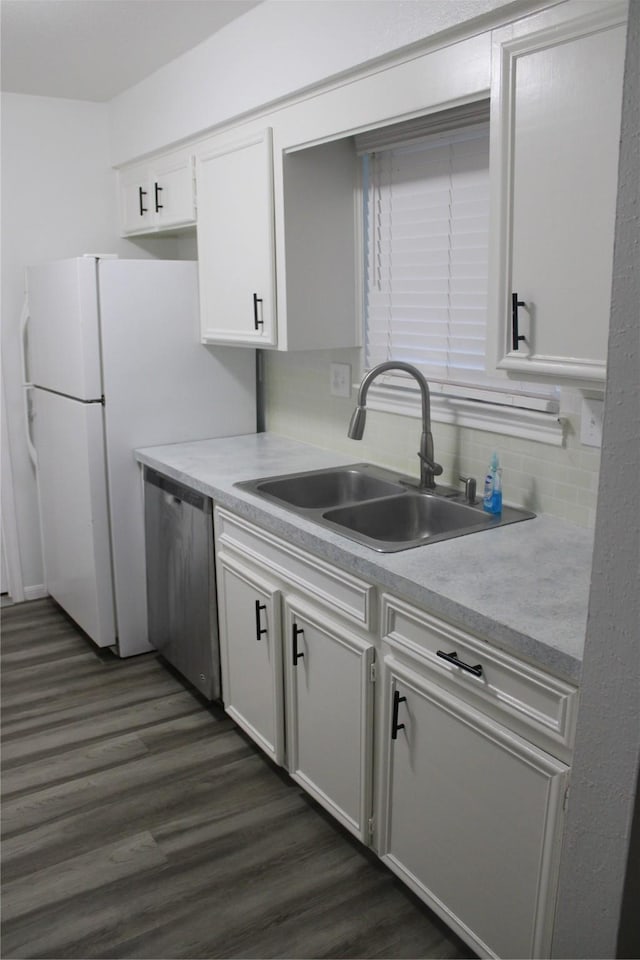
(506,420)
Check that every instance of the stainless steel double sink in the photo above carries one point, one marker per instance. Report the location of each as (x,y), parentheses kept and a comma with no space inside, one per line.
(379,508)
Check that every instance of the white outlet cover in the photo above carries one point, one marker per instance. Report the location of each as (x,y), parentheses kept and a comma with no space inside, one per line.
(591,422)
(340,380)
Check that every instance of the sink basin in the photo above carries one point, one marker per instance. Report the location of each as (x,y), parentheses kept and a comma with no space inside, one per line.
(327,488)
(410,519)
(377,507)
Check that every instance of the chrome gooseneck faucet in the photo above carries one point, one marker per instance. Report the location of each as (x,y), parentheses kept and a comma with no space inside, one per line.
(429,469)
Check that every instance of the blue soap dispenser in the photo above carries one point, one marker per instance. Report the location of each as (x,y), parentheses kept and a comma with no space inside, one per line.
(492,501)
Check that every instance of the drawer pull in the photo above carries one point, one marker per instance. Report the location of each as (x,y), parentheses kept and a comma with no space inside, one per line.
(296,633)
(395,726)
(516,336)
(257,320)
(259,628)
(453,658)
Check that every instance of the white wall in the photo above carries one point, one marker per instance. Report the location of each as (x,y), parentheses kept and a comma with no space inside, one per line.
(274,50)
(607,754)
(58,200)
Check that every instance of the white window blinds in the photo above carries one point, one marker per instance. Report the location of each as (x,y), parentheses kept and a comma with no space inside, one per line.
(426,234)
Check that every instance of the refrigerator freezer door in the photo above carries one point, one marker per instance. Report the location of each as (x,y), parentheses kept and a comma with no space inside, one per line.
(63,330)
(162,385)
(69,437)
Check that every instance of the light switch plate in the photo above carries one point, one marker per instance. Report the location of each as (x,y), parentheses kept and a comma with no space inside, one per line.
(591,422)
(341,380)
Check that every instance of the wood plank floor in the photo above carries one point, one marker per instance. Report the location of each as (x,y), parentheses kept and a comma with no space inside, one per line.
(139,822)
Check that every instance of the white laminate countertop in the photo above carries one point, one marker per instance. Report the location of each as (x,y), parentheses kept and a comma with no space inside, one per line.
(523,588)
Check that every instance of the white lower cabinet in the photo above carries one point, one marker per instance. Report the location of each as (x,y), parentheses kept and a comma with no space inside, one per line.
(447,755)
(250,654)
(470,815)
(329,713)
(296,674)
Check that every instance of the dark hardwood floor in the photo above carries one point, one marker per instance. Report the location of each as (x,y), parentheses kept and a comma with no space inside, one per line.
(139,822)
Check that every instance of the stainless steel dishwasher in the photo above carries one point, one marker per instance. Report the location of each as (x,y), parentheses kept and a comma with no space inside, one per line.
(181,592)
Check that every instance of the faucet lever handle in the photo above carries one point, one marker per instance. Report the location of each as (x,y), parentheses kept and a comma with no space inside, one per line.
(436,468)
(469,488)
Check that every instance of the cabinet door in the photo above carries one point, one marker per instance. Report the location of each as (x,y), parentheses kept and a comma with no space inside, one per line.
(236,242)
(556,103)
(250,655)
(136,202)
(172,194)
(329,724)
(470,816)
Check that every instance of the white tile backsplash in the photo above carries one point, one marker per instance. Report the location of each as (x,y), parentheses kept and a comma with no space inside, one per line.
(560,481)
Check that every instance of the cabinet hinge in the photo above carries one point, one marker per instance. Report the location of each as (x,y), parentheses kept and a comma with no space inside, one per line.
(194,184)
(565,801)
(370,826)
(372,673)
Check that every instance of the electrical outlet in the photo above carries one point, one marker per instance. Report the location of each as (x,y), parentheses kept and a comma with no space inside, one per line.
(591,422)
(341,380)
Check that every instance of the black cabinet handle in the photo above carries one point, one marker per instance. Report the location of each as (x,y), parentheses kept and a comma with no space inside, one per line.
(259,628)
(142,193)
(157,191)
(257,321)
(515,336)
(453,658)
(395,726)
(296,633)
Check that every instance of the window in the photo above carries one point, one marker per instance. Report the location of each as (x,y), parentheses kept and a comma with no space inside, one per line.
(426,244)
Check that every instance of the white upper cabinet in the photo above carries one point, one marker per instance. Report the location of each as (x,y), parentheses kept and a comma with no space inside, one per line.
(556,103)
(296,209)
(236,240)
(158,194)
(279,206)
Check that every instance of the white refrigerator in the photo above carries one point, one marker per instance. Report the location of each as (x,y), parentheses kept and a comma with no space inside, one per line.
(115,362)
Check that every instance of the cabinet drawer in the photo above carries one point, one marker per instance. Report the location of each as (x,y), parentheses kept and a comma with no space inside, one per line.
(335,588)
(500,683)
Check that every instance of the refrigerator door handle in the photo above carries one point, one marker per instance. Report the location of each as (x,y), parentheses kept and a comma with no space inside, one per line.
(26,385)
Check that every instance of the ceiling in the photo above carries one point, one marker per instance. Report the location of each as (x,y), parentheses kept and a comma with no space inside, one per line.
(95,49)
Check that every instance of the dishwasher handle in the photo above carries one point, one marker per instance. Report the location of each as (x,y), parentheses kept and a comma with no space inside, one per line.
(176,492)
